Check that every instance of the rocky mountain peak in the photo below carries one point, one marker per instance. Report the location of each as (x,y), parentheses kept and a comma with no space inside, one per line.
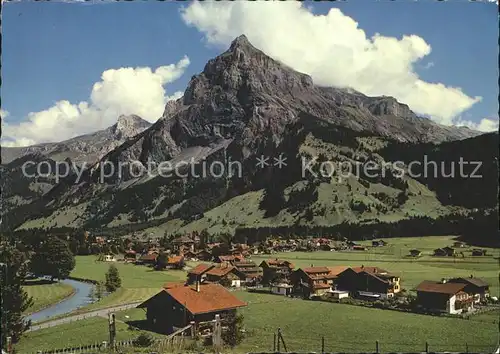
(129,125)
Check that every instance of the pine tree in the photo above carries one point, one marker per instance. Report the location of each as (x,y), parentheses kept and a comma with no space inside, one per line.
(15,300)
(53,258)
(113,281)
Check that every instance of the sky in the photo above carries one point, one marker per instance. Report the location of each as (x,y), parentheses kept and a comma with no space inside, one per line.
(73,68)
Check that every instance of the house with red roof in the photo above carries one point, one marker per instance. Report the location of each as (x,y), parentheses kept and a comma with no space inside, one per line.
(198,273)
(225,274)
(315,281)
(368,282)
(178,305)
(443,296)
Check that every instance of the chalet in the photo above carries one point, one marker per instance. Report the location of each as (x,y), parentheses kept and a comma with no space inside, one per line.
(109,258)
(175,262)
(130,255)
(477,288)
(198,273)
(415,253)
(478,252)
(459,244)
(379,243)
(178,305)
(204,255)
(443,297)
(275,269)
(250,270)
(314,281)
(191,255)
(225,274)
(183,243)
(148,258)
(445,251)
(231,258)
(281,289)
(368,282)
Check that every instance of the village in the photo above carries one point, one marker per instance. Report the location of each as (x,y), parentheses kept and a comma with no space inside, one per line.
(221,269)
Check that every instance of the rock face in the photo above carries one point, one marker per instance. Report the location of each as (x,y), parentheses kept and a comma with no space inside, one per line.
(243,103)
(86,148)
(245,95)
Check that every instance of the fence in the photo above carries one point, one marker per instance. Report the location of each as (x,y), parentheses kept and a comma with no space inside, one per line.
(167,345)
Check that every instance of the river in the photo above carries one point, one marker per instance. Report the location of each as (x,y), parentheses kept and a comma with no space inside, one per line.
(79,299)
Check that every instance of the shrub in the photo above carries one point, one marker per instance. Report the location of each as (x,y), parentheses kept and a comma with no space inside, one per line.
(143,340)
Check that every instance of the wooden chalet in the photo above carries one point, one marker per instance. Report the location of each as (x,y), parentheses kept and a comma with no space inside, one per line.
(444,252)
(477,288)
(225,274)
(148,258)
(276,270)
(230,258)
(198,273)
(183,243)
(476,252)
(179,305)
(130,255)
(368,282)
(175,262)
(250,270)
(443,297)
(314,281)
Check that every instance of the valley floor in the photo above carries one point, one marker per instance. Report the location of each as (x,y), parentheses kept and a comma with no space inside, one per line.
(345,328)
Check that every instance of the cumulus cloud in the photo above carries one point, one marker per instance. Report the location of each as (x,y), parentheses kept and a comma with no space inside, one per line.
(121,91)
(4,114)
(484,125)
(333,50)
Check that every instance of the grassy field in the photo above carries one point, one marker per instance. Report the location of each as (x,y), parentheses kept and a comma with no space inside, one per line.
(345,328)
(393,258)
(45,295)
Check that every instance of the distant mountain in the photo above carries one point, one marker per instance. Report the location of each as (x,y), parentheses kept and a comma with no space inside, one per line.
(88,148)
(243,105)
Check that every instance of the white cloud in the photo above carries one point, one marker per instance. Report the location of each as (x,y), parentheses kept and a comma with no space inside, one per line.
(484,125)
(333,50)
(121,91)
(429,65)
(4,114)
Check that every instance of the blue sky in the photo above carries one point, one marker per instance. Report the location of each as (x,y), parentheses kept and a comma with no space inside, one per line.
(57,51)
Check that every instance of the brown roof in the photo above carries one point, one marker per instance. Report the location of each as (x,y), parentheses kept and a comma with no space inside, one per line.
(321,286)
(210,298)
(220,271)
(371,270)
(175,259)
(474,281)
(336,270)
(148,257)
(170,285)
(430,286)
(314,270)
(279,263)
(200,269)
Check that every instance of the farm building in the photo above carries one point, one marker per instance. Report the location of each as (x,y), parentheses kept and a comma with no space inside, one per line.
(250,270)
(175,262)
(443,297)
(340,294)
(445,251)
(183,243)
(281,289)
(130,255)
(369,282)
(275,269)
(415,253)
(198,273)
(478,252)
(109,258)
(225,274)
(315,281)
(477,288)
(149,258)
(177,305)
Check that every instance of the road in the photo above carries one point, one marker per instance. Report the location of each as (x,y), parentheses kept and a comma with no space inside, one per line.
(96,313)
